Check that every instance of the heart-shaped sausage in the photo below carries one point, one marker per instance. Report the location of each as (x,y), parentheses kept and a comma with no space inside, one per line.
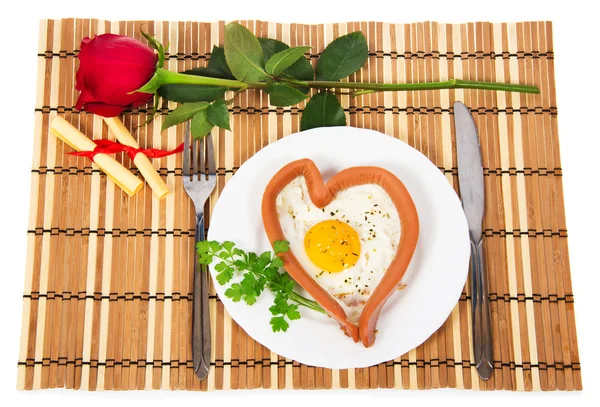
(321,195)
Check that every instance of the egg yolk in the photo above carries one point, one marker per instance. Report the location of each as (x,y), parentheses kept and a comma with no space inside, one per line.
(332,245)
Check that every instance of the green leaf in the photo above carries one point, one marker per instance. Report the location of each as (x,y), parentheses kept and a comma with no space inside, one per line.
(287,283)
(223,255)
(222,266)
(225,276)
(228,245)
(284,59)
(302,69)
(214,246)
(183,113)
(280,305)
(218,63)
(281,246)
(322,110)
(258,267)
(243,54)
(263,261)
(239,252)
(250,299)
(205,258)
(342,57)
(259,286)
(277,262)
(283,95)
(210,72)
(234,292)
(183,93)
(271,47)
(279,324)
(292,312)
(202,246)
(273,310)
(201,125)
(247,283)
(271,272)
(219,115)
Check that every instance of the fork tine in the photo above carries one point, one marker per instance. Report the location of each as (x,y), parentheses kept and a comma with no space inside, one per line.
(202,158)
(210,152)
(195,159)
(186,150)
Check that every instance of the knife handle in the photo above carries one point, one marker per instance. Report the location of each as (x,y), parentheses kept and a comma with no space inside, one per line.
(200,311)
(482,330)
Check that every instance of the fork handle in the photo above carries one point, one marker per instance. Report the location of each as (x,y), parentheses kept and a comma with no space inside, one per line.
(482,330)
(201,346)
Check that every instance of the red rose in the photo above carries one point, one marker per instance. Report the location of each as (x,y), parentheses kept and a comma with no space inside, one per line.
(111,66)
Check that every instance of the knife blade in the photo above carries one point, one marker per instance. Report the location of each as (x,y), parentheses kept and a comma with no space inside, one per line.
(470,180)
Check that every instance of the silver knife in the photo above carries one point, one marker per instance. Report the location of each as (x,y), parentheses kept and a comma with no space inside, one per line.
(470,179)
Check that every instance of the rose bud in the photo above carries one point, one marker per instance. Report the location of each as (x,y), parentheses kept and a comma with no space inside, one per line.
(110,68)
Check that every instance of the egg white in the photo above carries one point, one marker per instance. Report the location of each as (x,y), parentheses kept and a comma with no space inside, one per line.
(366,208)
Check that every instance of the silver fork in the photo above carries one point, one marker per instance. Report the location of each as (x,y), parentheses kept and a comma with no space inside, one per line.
(199,183)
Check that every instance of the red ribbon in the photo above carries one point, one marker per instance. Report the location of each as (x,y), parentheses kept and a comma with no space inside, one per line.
(111,147)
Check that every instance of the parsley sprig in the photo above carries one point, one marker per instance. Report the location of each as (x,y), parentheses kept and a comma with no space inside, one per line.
(258,272)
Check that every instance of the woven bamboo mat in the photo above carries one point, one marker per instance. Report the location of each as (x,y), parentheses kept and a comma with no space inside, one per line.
(107,297)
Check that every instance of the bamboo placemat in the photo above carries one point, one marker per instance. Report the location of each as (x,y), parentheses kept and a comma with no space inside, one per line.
(107,297)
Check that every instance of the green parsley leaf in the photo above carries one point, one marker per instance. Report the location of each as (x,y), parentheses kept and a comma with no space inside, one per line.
(247,283)
(271,272)
(250,299)
(228,246)
(277,262)
(225,276)
(205,258)
(279,324)
(280,304)
(202,246)
(292,312)
(223,255)
(281,246)
(234,292)
(261,263)
(221,266)
(259,286)
(214,246)
(274,310)
(287,284)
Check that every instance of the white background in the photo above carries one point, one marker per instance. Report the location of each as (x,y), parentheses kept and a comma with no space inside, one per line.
(576,46)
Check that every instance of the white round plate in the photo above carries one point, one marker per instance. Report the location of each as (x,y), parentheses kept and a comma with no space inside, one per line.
(434,280)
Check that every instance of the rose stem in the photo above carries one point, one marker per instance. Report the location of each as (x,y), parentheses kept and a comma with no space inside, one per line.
(449,84)
(170,77)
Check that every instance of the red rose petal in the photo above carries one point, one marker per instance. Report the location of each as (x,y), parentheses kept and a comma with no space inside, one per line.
(104,110)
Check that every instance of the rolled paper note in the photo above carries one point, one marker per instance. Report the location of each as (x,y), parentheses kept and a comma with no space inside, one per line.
(115,171)
(142,162)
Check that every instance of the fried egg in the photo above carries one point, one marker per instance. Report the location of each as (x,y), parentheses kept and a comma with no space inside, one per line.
(347,246)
